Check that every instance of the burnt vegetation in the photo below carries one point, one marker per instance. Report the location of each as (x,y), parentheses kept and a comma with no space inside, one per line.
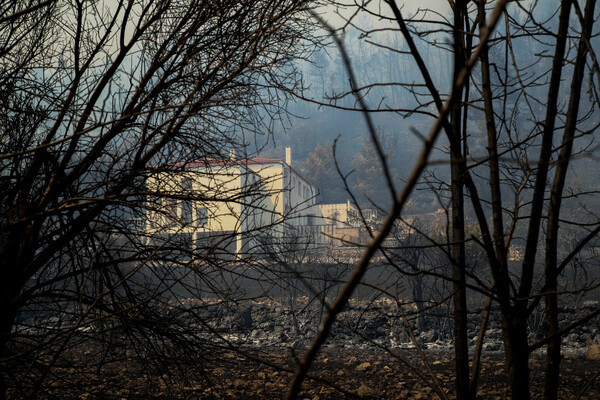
(148,250)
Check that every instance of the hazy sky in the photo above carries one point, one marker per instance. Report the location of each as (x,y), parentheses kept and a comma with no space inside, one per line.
(407,7)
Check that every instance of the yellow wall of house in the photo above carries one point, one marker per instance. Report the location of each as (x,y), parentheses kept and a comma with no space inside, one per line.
(279,197)
(292,196)
(272,178)
(218,189)
(339,214)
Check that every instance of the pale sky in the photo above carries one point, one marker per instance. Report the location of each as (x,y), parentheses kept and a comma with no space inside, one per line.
(407,7)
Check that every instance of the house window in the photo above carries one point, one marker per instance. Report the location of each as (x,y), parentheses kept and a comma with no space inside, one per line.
(170,210)
(186,212)
(201,216)
(186,203)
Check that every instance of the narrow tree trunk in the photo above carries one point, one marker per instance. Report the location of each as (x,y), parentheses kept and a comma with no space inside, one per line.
(7,320)
(459,286)
(515,335)
(553,357)
(458,217)
(8,313)
(517,352)
(14,255)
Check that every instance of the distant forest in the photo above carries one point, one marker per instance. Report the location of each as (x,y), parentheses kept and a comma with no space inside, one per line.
(318,125)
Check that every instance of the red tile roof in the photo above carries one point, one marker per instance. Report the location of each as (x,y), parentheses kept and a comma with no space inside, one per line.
(212,161)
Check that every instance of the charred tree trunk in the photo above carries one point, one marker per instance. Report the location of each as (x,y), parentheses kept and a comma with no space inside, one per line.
(553,357)
(10,287)
(516,350)
(515,319)
(457,167)
(497,258)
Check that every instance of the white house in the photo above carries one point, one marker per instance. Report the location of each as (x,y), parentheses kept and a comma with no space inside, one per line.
(234,207)
(341,225)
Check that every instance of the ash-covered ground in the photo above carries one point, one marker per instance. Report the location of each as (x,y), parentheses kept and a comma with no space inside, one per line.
(250,349)
(383,324)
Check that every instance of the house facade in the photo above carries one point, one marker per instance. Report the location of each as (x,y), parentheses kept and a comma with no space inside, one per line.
(234,208)
(340,224)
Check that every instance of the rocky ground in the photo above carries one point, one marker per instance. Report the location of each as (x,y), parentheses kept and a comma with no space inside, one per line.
(379,324)
(335,375)
(372,374)
(370,354)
